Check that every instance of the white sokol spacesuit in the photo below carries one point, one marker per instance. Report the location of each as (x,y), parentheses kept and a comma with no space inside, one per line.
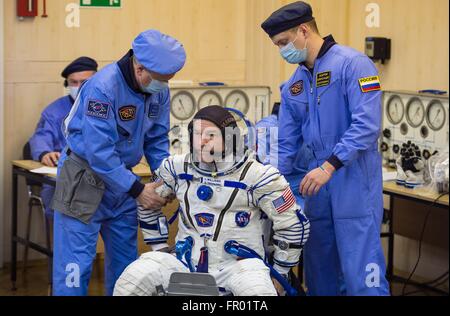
(232,203)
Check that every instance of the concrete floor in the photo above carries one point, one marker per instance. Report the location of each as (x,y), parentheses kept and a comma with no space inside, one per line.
(34,282)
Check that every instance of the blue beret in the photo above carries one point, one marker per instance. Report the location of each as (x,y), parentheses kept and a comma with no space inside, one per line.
(288,17)
(78,65)
(159,53)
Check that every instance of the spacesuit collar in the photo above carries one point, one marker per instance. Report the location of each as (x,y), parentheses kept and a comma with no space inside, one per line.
(126,67)
(221,166)
(225,167)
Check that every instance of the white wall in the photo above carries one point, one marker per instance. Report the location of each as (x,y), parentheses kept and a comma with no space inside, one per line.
(1,129)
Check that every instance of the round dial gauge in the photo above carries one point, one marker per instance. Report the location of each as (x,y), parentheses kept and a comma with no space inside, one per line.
(183,105)
(238,100)
(436,116)
(209,98)
(415,112)
(395,109)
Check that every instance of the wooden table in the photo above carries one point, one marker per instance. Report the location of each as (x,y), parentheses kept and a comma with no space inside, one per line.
(142,170)
(421,196)
(23,168)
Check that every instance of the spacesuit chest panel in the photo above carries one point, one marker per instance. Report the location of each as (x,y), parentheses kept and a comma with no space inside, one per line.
(205,216)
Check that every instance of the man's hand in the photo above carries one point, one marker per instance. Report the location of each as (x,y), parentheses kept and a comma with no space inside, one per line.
(51,159)
(149,199)
(316,179)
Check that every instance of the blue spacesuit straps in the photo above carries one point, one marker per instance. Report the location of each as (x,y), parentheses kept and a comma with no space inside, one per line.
(111,126)
(335,110)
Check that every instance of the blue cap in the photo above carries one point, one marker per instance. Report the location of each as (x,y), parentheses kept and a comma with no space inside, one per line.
(78,65)
(288,17)
(159,53)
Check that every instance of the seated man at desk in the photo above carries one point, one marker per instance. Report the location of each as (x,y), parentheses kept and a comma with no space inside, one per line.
(48,139)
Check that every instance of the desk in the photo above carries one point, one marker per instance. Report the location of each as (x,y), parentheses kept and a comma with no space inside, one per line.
(22,168)
(420,196)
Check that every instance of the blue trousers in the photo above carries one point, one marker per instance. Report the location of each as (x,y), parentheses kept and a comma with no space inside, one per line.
(75,245)
(343,255)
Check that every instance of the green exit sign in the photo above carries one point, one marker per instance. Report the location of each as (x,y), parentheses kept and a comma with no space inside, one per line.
(101,3)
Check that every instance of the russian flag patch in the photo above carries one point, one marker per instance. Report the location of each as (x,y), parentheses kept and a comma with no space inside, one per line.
(369,84)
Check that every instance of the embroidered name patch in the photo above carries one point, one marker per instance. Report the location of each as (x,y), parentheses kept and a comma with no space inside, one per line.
(369,84)
(153,110)
(98,109)
(204,219)
(323,79)
(297,88)
(127,113)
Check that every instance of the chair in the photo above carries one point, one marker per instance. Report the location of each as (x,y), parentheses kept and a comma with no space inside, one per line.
(35,200)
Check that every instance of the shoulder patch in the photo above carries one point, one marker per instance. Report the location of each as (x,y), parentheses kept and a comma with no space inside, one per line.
(98,109)
(369,84)
(127,113)
(323,79)
(284,202)
(297,88)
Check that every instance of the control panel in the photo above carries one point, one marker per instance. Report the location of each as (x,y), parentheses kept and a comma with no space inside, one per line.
(252,101)
(414,118)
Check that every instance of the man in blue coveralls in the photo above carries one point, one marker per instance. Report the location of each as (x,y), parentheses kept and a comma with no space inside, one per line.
(48,139)
(332,103)
(121,114)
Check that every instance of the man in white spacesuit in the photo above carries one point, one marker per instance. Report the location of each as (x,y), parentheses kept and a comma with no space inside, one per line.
(225,199)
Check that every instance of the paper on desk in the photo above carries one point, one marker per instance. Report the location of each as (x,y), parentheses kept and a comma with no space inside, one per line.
(389,175)
(45,170)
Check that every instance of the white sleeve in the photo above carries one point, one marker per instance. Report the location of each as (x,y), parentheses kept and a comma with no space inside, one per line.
(273,196)
(153,223)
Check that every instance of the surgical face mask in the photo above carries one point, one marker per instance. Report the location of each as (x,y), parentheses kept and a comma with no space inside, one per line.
(155,87)
(293,55)
(73,91)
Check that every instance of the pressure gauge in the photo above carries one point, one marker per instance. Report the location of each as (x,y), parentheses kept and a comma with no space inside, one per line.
(436,115)
(238,100)
(209,98)
(395,109)
(415,112)
(183,105)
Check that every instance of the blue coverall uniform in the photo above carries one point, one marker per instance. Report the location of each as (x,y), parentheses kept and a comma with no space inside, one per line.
(112,125)
(337,115)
